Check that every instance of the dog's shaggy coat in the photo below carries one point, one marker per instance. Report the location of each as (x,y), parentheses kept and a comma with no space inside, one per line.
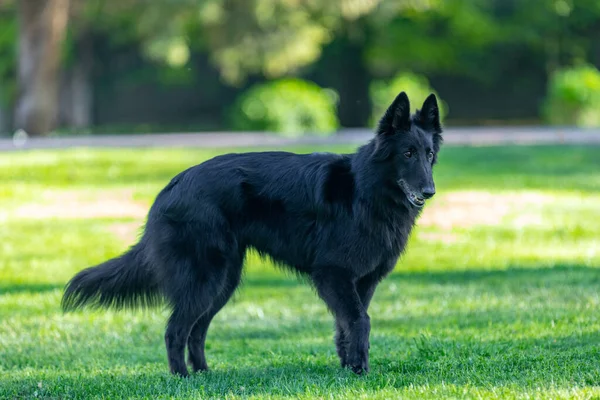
(340,220)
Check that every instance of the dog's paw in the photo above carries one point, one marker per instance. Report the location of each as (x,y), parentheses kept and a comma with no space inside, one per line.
(198,370)
(359,365)
(360,369)
(183,373)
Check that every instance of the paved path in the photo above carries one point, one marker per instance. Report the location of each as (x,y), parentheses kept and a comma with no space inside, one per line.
(477,136)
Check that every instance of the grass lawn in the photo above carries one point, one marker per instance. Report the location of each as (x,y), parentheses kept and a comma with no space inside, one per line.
(498,295)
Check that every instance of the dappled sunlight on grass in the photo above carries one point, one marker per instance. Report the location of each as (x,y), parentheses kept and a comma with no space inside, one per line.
(496,297)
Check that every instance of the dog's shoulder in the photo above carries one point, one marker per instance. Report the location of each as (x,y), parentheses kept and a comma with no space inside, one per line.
(339,183)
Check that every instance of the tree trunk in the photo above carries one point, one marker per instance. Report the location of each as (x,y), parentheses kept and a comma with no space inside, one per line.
(77,87)
(595,46)
(3,120)
(343,68)
(42,29)
(353,86)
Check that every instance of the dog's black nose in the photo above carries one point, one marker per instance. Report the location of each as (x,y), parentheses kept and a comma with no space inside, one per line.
(428,192)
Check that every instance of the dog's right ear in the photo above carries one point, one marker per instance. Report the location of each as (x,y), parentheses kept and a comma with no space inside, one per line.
(397,116)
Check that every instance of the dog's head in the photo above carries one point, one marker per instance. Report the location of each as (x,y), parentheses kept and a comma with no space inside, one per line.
(409,144)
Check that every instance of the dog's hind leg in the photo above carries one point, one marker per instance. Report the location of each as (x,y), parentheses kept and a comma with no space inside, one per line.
(192,289)
(197,338)
(178,329)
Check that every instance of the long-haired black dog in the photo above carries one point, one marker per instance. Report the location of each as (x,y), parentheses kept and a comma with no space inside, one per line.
(341,220)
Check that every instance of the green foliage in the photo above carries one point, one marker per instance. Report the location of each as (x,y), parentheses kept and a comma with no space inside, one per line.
(290,107)
(574,97)
(430,36)
(507,309)
(476,40)
(8,57)
(416,87)
(272,38)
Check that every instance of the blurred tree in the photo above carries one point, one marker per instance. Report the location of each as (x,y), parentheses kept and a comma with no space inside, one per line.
(274,38)
(76,81)
(271,38)
(430,36)
(42,28)
(475,38)
(340,43)
(7,62)
(268,38)
(343,67)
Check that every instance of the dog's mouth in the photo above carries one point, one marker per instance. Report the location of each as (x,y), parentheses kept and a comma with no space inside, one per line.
(411,195)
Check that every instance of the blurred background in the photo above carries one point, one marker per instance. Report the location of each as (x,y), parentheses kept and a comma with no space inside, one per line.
(497,294)
(75,67)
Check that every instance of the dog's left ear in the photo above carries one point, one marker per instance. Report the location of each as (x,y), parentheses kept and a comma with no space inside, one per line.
(429,116)
(429,119)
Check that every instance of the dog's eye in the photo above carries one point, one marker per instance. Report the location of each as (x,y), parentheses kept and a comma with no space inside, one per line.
(430,156)
(408,154)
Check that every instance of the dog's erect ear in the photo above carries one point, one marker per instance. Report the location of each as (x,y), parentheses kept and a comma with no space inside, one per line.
(429,116)
(397,116)
(429,119)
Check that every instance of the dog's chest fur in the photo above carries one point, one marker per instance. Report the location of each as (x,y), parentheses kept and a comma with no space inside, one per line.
(385,240)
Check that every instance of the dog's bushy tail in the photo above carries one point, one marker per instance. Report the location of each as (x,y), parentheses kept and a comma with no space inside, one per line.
(122,282)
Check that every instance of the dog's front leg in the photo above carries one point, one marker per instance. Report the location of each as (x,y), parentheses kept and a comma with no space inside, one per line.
(366,288)
(337,288)
(341,343)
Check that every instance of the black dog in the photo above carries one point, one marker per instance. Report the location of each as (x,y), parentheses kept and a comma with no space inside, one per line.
(341,220)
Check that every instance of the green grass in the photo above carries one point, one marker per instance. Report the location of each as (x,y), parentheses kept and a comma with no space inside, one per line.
(500,308)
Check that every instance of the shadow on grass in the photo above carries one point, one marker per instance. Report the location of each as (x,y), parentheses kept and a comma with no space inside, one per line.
(18,288)
(539,283)
(557,274)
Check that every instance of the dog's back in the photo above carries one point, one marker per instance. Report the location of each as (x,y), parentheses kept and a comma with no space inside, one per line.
(288,206)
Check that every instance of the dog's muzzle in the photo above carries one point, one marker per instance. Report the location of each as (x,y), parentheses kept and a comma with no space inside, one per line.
(412,197)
